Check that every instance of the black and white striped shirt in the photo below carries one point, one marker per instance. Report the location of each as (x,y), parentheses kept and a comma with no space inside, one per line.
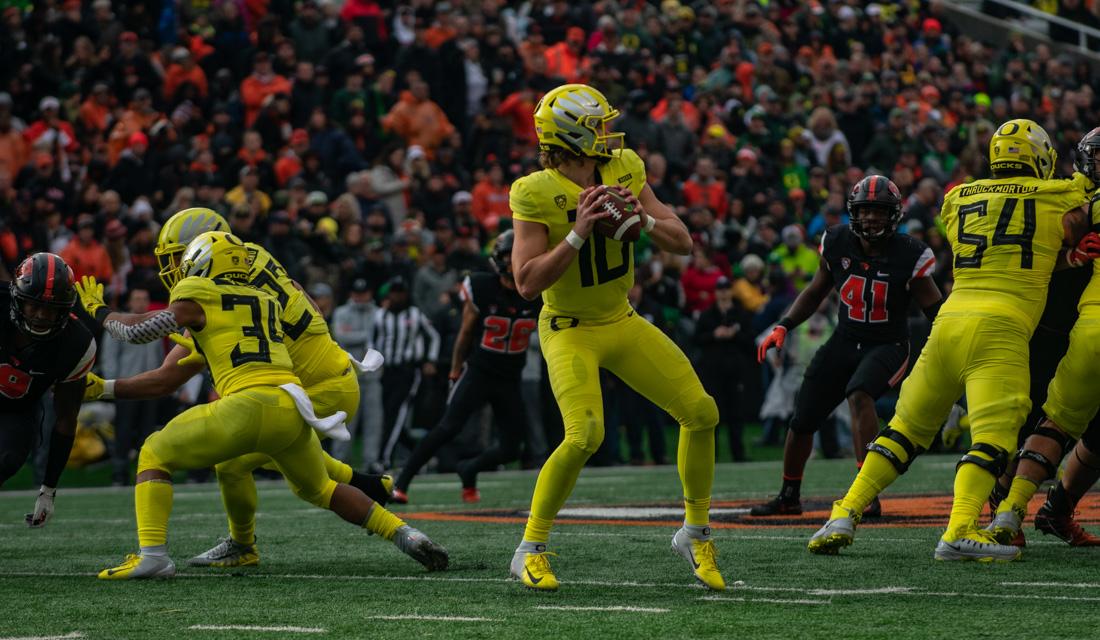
(405,337)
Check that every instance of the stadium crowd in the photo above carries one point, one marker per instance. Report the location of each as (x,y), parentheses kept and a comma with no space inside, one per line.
(370,147)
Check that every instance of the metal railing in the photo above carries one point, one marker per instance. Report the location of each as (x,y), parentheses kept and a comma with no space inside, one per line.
(1083,32)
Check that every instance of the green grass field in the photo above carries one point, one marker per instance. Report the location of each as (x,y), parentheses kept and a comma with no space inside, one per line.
(320,577)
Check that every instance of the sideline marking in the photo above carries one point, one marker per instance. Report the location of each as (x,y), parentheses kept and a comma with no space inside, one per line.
(554,607)
(249,627)
(67,636)
(1071,585)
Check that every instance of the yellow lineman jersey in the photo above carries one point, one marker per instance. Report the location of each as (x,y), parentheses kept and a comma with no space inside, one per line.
(316,356)
(241,340)
(1006,235)
(593,289)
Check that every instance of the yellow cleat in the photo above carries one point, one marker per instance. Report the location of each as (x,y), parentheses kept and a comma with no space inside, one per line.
(138,567)
(838,532)
(702,555)
(533,569)
(228,553)
(976,544)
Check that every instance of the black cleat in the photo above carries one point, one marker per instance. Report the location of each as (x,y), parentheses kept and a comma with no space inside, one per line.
(778,506)
(873,510)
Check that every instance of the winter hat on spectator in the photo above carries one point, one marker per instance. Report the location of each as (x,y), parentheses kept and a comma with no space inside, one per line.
(461,197)
(574,34)
(316,197)
(128,36)
(49,102)
(414,152)
(138,138)
(279,217)
(746,154)
(751,262)
(320,290)
(792,235)
(723,283)
(299,136)
(360,286)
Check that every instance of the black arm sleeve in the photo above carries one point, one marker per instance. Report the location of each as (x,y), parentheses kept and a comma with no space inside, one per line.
(61,445)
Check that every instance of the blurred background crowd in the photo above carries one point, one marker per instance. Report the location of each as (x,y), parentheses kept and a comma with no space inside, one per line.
(371,144)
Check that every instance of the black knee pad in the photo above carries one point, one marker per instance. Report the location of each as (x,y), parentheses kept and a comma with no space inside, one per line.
(1091,439)
(996,466)
(1050,466)
(911,450)
(1063,440)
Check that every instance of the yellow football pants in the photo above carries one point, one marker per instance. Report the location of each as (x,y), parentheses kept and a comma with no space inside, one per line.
(983,356)
(238,487)
(260,419)
(1072,398)
(647,360)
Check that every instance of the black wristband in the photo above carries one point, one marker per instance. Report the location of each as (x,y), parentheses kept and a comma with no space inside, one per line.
(101,314)
(61,446)
(786,323)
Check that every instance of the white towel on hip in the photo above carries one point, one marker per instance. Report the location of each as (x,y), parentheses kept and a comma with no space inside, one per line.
(331,426)
(372,361)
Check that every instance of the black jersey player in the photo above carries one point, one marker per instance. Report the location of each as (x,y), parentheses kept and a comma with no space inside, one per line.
(42,345)
(489,354)
(876,273)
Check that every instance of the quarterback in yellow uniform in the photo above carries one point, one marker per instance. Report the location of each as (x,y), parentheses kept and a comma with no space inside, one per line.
(1073,395)
(262,407)
(324,369)
(1006,234)
(587,324)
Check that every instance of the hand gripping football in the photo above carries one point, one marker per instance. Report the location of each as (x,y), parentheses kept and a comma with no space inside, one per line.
(624,223)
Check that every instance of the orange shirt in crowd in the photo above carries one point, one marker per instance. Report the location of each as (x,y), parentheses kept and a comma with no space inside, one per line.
(712,196)
(14,153)
(254,91)
(88,260)
(418,122)
(93,115)
(490,204)
(562,61)
(176,75)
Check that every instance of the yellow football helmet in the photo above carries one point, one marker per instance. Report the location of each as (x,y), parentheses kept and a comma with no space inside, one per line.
(575,117)
(216,254)
(1022,144)
(177,233)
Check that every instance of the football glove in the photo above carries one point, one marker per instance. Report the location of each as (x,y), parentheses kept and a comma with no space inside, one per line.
(91,295)
(43,508)
(775,339)
(1087,249)
(93,388)
(187,342)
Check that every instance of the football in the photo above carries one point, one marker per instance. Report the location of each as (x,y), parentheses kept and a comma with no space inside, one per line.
(624,223)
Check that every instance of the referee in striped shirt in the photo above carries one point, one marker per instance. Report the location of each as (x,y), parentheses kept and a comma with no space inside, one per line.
(410,345)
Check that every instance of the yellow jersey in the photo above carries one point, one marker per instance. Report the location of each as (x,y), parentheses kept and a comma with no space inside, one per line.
(594,287)
(241,340)
(1006,235)
(316,356)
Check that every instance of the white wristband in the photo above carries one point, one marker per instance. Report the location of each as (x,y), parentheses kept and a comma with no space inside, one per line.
(575,240)
(108,390)
(650,222)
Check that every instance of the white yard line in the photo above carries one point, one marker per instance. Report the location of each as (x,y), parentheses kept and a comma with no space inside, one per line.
(413,616)
(67,636)
(551,607)
(1067,585)
(768,600)
(249,627)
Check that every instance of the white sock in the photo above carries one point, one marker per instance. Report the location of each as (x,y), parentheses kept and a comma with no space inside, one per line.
(157,551)
(697,531)
(531,547)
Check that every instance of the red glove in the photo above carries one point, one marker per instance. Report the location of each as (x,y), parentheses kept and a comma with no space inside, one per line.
(774,339)
(1087,249)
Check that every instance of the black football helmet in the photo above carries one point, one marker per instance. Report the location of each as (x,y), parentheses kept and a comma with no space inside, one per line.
(42,296)
(879,192)
(1083,160)
(501,257)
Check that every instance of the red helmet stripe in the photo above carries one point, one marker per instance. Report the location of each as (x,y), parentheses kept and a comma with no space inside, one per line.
(873,184)
(50,269)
